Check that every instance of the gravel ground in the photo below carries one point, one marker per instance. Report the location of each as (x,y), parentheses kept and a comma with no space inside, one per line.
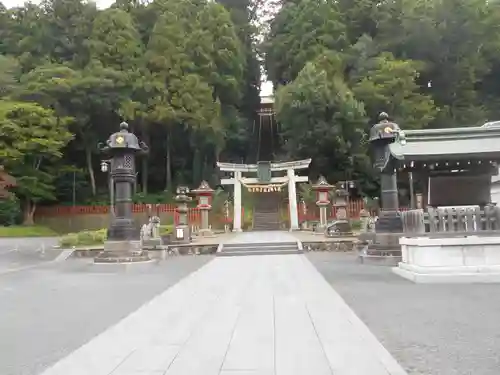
(430,329)
(47,312)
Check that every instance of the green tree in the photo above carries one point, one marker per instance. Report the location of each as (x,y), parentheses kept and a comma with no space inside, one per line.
(321,118)
(456,40)
(180,96)
(384,83)
(10,73)
(301,31)
(92,97)
(114,41)
(31,139)
(68,26)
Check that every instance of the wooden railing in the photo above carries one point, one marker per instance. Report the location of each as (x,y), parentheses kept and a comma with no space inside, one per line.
(451,220)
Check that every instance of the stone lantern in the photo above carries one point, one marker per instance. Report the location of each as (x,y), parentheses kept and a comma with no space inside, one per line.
(182,232)
(340,201)
(122,244)
(322,188)
(341,226)
(382,135)
(204,194)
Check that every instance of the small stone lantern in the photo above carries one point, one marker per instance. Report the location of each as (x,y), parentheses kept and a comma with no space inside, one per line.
(204,194)
(340,201)
(122,244)
(182,232)
(322,188)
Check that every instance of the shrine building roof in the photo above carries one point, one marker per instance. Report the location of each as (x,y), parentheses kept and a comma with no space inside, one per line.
(471,143)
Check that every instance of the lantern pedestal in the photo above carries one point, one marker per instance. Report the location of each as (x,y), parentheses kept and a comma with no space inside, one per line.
(123,245)
(122,252)
(323,216)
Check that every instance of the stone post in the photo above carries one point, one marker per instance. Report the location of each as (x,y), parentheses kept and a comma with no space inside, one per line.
(182,232)
(237,202)
(122,245)
(292,200)
(322,188)
(204,194)
(303,206)
(226,216)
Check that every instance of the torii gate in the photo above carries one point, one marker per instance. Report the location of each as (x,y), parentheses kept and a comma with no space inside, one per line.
(237,180)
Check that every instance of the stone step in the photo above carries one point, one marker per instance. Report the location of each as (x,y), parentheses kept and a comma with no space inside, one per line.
(259,249)
(258,252)
(259,244)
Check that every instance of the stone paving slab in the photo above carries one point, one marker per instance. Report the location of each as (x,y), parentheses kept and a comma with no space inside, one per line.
(260,315)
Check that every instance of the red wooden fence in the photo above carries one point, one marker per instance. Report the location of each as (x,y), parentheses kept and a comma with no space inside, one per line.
(170,209)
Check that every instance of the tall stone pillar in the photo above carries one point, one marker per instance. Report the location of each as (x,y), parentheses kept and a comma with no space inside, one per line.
(237,202)
(292,200)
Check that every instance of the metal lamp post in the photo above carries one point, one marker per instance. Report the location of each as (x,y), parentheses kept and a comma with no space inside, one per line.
(122,245)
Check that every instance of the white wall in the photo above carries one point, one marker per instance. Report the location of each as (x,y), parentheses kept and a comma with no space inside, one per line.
(495,194)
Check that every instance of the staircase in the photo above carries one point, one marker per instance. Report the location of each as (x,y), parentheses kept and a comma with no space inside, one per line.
(268,248)
(266,214)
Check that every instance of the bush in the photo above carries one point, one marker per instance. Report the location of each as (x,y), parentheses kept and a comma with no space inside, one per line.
(356,224)
(10,211)
(97,237)
(166,229)
(26,231)
(85,238)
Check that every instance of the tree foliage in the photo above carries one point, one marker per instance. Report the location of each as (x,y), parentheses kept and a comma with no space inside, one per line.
(186,75)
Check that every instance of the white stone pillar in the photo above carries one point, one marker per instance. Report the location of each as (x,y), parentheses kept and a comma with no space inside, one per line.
(237,202)
(292,200)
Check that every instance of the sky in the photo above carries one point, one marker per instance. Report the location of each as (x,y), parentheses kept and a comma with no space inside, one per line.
(266,88)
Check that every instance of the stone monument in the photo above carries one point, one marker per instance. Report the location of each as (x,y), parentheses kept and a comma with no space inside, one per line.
(150,232)
(122,244)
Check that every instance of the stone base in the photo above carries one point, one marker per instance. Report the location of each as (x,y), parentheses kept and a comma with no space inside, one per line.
(205,233)
(450,275)
(385,250)
(181,234)
(457,259)
(152,244)
(122,252)
(122,267)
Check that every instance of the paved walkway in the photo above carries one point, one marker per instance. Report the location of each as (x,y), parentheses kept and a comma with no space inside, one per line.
(259,315)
